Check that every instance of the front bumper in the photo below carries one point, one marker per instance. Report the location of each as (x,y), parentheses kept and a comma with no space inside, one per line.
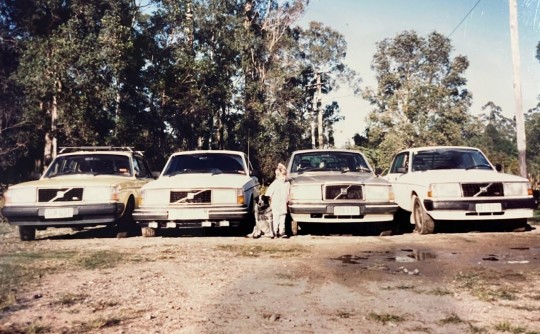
(204,216)
(515,208)
(326,212)
(82,215)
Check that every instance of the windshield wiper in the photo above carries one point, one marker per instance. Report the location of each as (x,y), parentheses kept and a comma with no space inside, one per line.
(479,166)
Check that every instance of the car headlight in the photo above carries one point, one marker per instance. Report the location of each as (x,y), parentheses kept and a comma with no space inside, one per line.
(438,190)
(228,196)
(101,194)
(153,197)
(306,192)
(379,193)
(20,195)
(517,189)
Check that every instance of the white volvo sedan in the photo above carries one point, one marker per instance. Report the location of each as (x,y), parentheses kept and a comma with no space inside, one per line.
(455,183)
(336,186)
(199,189)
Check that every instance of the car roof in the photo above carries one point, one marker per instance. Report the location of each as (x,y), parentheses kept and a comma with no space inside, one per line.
(126,151)
(326,150)
(209,152)
(425,148)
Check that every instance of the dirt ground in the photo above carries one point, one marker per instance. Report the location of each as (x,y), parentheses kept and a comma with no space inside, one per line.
(326,282)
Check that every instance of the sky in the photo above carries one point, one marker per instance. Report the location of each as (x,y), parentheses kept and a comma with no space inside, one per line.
(483,37)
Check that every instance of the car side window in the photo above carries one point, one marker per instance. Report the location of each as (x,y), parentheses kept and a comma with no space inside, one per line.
(400,164)
(141,168)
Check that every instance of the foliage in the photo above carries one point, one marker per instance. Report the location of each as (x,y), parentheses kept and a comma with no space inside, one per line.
(420,98)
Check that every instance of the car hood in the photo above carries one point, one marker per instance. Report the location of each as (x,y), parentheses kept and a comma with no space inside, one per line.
(462,176)
(337,177)
(205,180)
(74,181)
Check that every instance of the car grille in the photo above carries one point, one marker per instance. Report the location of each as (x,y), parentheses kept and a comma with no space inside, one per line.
(60,195)
(193,196)
(343,192)
(482,189)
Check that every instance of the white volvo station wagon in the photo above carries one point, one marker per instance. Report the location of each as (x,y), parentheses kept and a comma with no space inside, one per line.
(455,183)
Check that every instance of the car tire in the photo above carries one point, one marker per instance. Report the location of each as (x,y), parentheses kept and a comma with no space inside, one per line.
(424,224)
(27,233)
(125,224)
(148,232)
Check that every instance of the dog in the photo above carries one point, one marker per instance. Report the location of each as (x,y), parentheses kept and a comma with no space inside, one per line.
(263,219)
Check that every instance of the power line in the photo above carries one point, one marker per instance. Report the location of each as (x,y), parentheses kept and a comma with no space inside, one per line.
(470,11)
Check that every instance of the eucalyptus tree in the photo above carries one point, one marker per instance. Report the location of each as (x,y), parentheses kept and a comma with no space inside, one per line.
(420,97)
(497,137)
(73,54)
(16,137)
(323,51)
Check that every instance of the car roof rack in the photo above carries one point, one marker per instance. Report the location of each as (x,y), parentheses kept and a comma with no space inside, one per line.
(66,149)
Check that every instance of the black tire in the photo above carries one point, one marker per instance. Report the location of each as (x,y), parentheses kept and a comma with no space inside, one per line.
(424,224)
(126,225)
(27,233)
(148,232)
(246,226)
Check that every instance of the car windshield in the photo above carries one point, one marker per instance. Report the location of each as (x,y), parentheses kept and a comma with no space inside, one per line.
(329,161)
(449,159)
(215,163)
(95,164)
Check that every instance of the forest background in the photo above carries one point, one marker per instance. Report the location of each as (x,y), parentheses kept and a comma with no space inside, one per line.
(166,76)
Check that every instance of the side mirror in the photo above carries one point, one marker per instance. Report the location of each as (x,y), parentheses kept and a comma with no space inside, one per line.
(402,170)
(498,168)
(155,174)
(378,171)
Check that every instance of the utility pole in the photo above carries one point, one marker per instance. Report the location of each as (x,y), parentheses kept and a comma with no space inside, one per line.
(520,122)
(320,111)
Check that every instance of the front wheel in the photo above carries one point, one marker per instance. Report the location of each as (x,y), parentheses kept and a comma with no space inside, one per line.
(126,225)
(27,233)
(424,224)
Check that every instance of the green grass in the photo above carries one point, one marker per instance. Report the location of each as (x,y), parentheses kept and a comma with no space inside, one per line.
(385,318)
(261,250)
(479,285)
(19,269)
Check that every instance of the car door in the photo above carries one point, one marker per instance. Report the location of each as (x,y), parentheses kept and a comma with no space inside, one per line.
(397,176)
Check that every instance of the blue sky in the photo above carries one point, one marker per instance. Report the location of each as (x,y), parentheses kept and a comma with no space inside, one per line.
(484,37)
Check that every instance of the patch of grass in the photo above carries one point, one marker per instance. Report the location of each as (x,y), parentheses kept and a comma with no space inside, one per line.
(19,269)
(451,319)
(505,326)
(400,287)
(344,314)
(385,318)
(260,250)
(478,284)
(37,328)
(476,330)
(70,299)
(99,260)
(98,323)
(439,292)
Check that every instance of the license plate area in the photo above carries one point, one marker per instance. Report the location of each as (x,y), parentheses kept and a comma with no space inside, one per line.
(188,214)
(488,207)
(58,213)
(348,210)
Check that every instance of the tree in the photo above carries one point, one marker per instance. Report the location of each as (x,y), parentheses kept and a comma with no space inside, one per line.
(420,98)
(498,137)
